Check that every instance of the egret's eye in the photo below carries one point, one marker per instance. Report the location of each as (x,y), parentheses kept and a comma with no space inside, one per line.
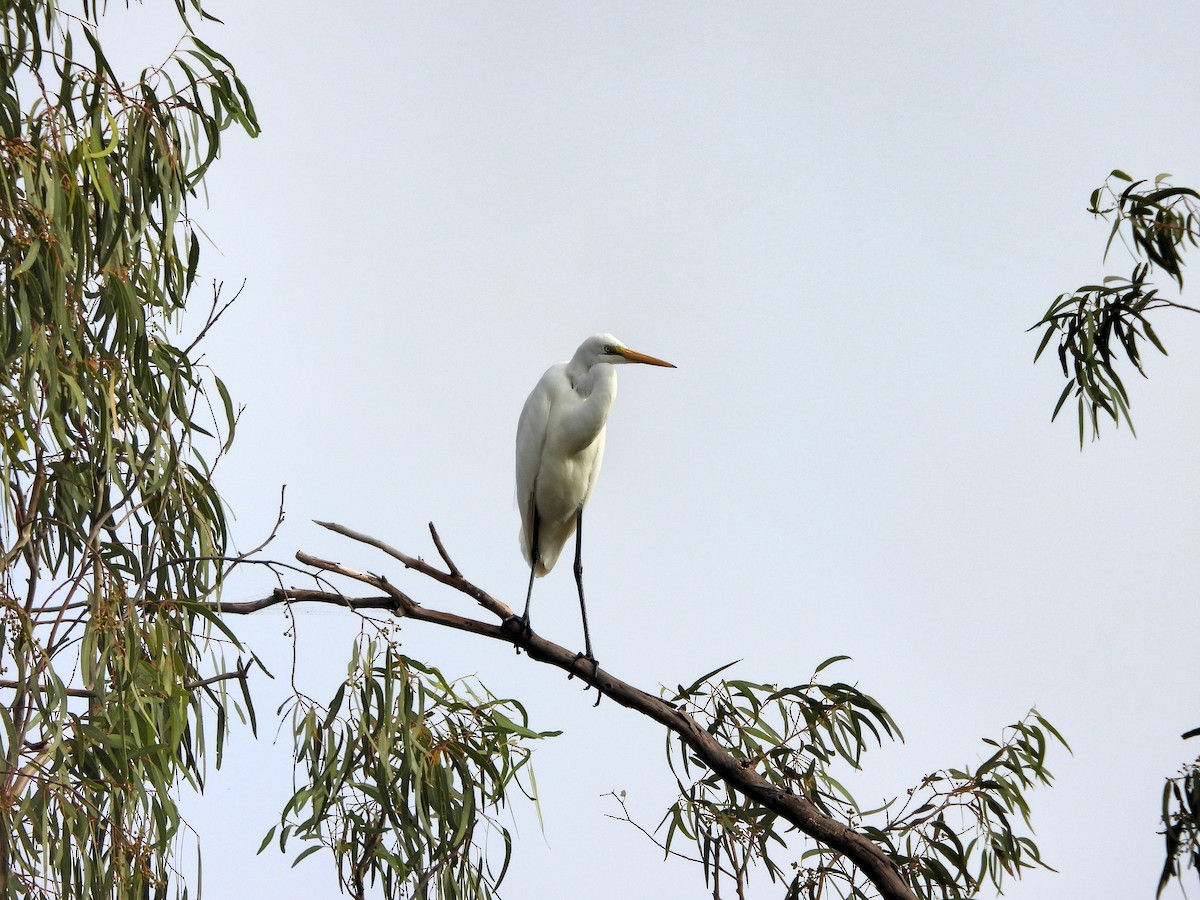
(608,348)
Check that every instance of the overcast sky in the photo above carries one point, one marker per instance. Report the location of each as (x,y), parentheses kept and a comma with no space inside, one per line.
(837,219)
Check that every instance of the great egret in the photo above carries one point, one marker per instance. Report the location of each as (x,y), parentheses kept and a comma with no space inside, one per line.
(560,442)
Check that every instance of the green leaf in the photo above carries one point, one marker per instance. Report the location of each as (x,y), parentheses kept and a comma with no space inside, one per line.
(1153,337)
(695,686)
(508,725)
(829,662)
(304,854)
(31,257)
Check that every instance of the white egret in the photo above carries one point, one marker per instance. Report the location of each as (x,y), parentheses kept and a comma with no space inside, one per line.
(560,442)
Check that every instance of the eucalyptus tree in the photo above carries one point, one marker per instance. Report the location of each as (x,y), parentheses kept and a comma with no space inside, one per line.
(121,667)
(112,533)
(1100,329)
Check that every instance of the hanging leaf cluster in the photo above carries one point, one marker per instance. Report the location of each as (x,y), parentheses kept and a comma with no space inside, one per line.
(961,829)
(1181,824)
(404,775)
(1099,326)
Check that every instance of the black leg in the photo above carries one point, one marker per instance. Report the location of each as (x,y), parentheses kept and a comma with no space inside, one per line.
(587,638)
(526,630)
(529,593)
(533,561)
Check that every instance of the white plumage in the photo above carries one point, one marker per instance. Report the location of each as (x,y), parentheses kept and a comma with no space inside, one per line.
(560,444)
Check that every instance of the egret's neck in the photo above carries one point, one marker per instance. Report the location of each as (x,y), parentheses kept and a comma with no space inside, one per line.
(599,381)
(596,387)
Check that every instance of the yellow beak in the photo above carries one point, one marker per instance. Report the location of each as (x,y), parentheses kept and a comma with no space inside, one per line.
(634,356)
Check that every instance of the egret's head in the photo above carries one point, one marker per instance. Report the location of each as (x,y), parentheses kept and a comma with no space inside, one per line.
(604,348)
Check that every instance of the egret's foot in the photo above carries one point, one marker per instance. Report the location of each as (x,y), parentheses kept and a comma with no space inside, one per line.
(521,628)
(595,672)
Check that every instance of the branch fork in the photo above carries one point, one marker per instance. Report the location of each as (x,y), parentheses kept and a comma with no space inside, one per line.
(800,812)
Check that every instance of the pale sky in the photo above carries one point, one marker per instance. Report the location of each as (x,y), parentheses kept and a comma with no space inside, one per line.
(838,220)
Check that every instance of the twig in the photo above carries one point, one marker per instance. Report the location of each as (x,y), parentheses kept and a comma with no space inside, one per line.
(403,605)
(480,596)
(279,517)
(214,315)
(625,817)
(241,671)
(437,542)
(1177,305)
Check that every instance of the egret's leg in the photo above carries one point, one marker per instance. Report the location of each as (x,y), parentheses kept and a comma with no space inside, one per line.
(526,630)
(587,639)
(529,593)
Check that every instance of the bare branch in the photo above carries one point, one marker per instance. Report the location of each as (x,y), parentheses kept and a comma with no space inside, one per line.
(399,598)
(1175,304)
(25,686)
(403,605)
(279,517)
(215,312)
(799,811)
(628,819)
(30,770)
(296,595)
(482,597)
(240,672)
(437,542)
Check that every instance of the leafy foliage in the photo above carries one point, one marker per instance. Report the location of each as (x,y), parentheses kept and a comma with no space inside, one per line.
(1181,823)
(1159,220)
(792,735)
(985,804)
(111,533)
(405,772)
(955,831)
(1099,324)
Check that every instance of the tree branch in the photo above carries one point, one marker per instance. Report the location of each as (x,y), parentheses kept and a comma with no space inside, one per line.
(69,691)
(240,672)
(482,597)
(800,812)
(296,595)
(437,542)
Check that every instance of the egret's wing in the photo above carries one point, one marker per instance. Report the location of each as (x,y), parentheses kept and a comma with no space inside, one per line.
(531,441)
